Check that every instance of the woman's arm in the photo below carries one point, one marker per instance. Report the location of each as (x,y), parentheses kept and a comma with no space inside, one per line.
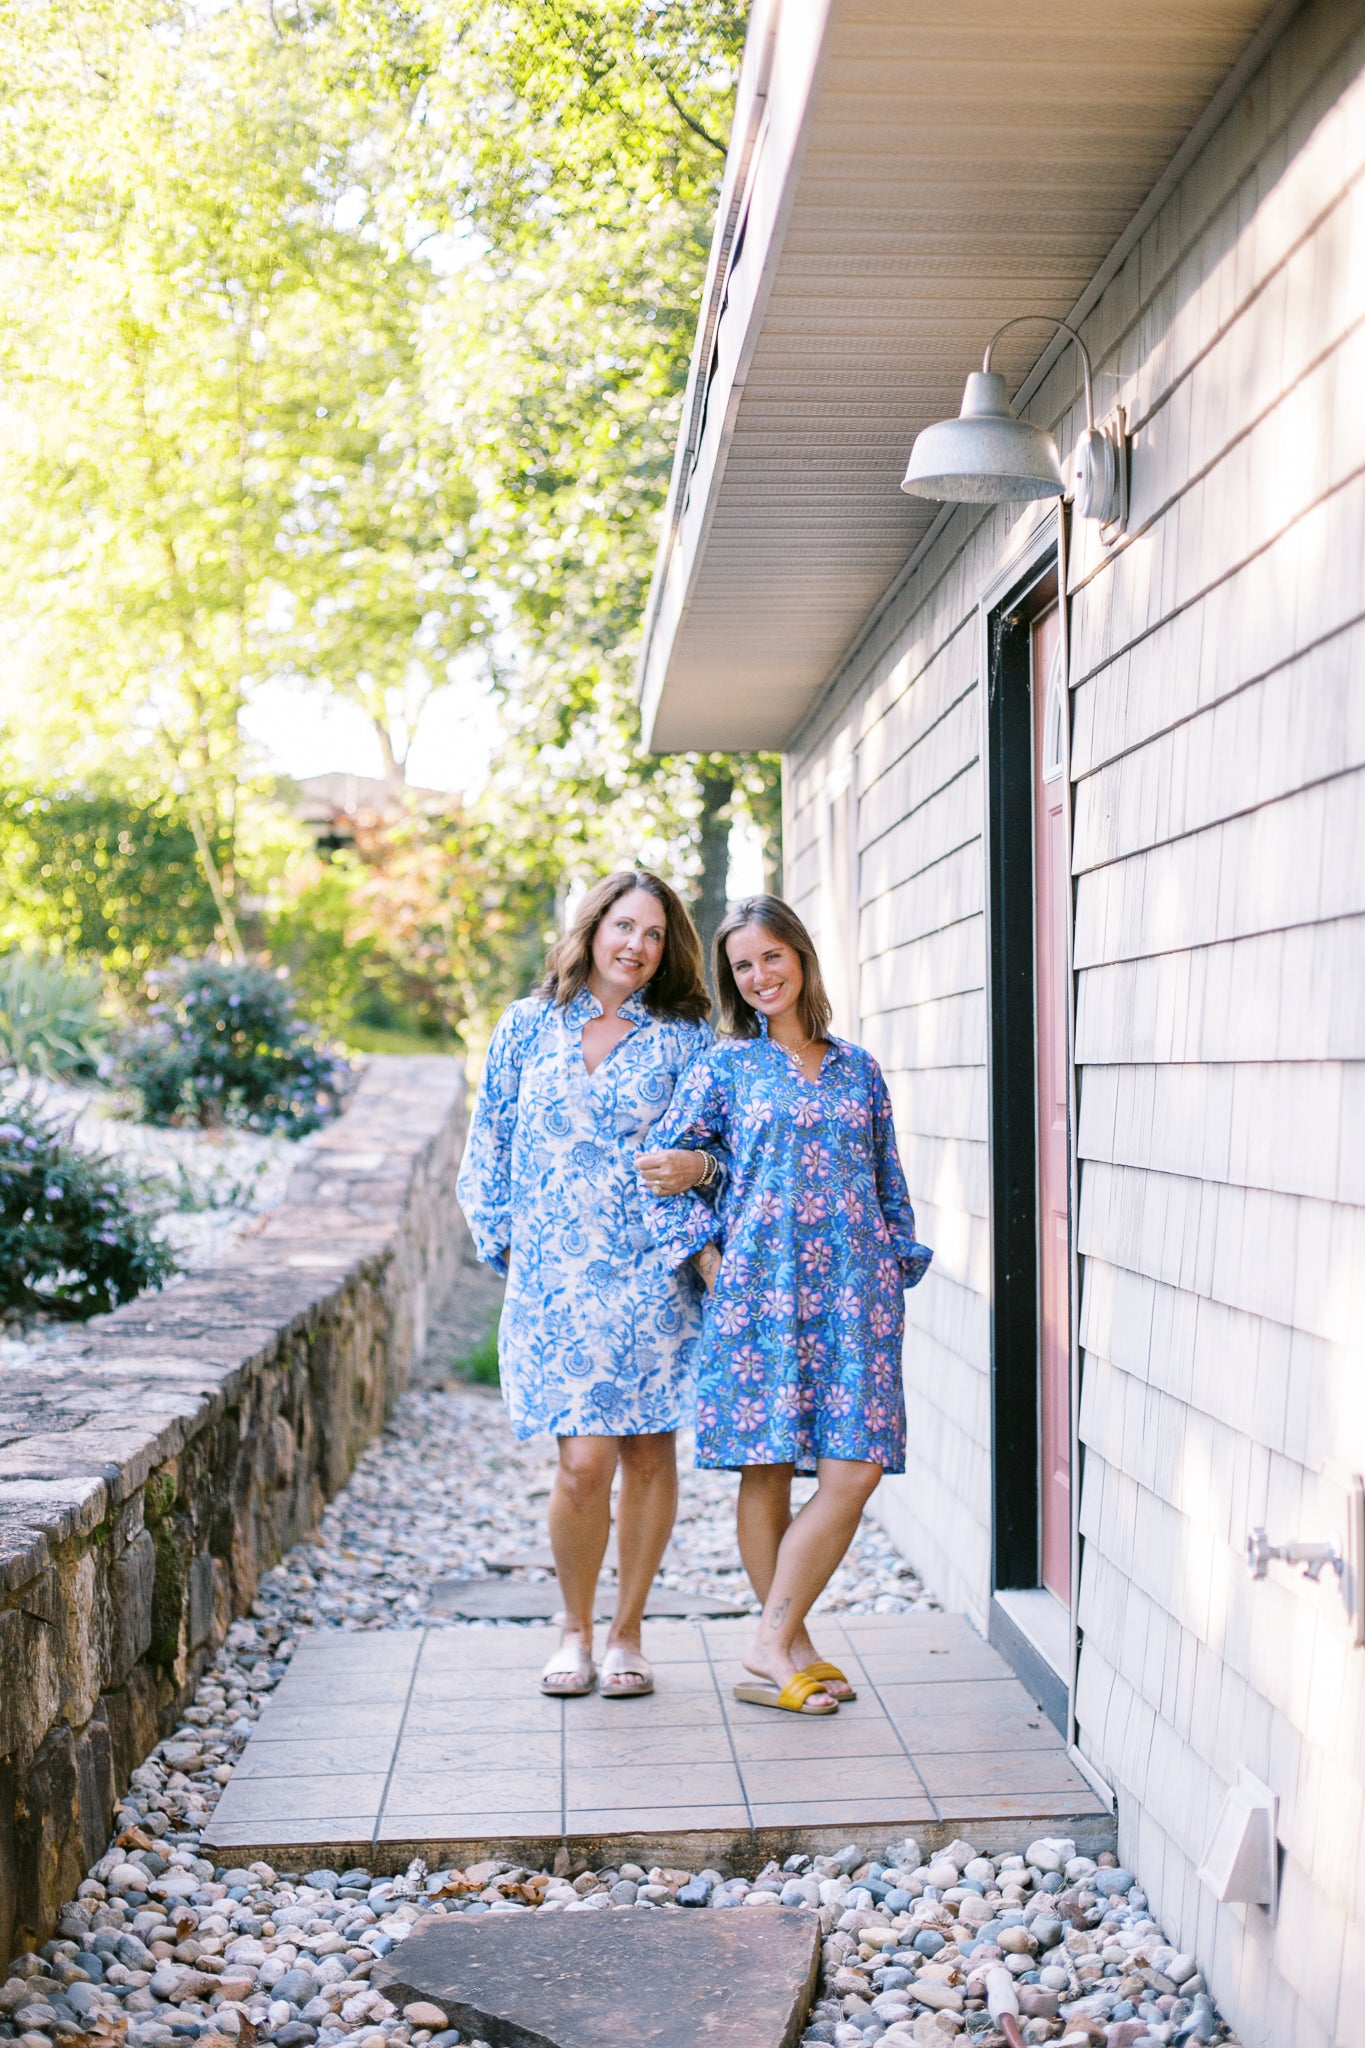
(893,1196)
(483,1186)
(696,1120)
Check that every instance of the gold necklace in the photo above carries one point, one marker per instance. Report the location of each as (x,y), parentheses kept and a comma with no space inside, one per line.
(797,1050)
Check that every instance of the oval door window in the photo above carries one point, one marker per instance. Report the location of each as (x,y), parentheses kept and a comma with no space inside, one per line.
(1054,720)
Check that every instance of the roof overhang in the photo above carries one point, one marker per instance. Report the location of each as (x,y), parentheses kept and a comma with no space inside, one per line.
(903,176)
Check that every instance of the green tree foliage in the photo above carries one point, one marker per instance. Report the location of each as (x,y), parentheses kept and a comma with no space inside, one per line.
(95,872)
(424,923)
(221,464)
(344,340)
(589,141)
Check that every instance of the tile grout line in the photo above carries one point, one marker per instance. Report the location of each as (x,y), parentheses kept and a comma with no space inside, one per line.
(398,1740)
(729,1731)
(892,1721)
(563,1771)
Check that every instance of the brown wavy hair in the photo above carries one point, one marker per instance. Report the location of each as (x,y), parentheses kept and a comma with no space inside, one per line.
(677,989)
(739,1019)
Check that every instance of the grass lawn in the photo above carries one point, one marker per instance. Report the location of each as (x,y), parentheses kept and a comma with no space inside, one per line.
(481,1364)
(361,1038)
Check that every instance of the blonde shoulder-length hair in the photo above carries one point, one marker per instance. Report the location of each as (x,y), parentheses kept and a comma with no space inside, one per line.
(678,989)
(739,1019)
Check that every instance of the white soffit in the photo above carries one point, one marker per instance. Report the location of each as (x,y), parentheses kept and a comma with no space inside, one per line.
(903,176)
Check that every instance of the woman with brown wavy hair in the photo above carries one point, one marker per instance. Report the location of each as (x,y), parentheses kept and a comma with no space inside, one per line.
(597,1332)
(799,1369)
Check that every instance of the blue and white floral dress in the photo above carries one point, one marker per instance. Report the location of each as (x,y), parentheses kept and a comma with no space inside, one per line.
(800,1356)
(598,1331)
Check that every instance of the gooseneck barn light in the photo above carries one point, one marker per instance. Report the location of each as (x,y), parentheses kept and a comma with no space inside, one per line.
(989,456)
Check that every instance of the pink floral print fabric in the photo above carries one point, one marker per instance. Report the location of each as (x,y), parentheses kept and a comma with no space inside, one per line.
(800,1355)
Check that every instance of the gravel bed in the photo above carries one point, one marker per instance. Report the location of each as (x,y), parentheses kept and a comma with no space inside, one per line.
(447,1486)
(161,1947)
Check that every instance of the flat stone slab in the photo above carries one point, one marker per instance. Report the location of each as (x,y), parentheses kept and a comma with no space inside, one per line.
(540,1558)
(601,1980)
(505,1599)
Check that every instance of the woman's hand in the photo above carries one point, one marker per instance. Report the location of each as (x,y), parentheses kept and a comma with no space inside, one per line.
(670,1173)
(707,1263)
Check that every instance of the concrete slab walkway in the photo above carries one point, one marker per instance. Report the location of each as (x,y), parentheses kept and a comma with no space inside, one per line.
(380,1746)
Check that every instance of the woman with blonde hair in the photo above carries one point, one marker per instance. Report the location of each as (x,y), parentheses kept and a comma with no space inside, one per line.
(597,1332)
(799,1369)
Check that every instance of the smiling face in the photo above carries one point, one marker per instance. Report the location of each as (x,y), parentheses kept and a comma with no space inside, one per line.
(767,971)
(628,945)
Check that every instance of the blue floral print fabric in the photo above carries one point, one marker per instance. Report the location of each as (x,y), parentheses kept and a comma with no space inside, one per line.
(800,1357)
(598,1331)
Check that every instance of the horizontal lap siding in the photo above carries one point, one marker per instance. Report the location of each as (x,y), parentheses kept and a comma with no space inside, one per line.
(1218,765)
(1218,761)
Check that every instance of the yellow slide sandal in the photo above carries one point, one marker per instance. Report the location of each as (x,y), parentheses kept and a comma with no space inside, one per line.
(794,1698)
(823,1669)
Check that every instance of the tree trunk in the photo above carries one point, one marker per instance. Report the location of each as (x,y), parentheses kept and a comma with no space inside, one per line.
(717,792)
(395,769)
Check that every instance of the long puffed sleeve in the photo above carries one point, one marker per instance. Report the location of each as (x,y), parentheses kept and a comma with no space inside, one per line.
(483,1187)
(696,1120)
(893,1195)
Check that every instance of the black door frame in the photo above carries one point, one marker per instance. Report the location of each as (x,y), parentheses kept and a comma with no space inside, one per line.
(1034,579)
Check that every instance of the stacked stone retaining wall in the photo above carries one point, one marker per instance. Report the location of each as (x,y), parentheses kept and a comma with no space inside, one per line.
(161,1458)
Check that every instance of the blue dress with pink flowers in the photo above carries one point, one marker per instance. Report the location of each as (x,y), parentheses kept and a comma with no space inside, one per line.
(800,1356)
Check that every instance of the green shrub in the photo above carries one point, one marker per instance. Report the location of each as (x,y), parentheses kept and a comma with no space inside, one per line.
(75,1232)
(226,1047)
(480,1366)
(50,1020)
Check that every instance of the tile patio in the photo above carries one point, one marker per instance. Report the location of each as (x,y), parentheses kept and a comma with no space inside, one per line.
(376,1747)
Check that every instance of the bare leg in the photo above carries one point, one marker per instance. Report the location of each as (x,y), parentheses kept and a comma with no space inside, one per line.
(807,1558)
(764,1517)
(580,1521)
(645,1509)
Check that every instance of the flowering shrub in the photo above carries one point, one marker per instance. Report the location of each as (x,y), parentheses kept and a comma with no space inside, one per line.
(225,1047)
(75,1234)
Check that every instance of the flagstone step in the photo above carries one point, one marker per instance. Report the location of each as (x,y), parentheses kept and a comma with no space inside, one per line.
(599,1980)
(506,1599)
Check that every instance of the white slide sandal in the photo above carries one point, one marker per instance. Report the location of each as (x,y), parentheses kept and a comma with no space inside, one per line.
(570,1673)
(626,1674)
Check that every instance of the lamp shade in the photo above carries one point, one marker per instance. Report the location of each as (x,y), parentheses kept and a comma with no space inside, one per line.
(986,456)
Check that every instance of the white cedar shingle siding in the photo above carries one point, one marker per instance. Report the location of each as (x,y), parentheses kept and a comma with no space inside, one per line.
(1218,762)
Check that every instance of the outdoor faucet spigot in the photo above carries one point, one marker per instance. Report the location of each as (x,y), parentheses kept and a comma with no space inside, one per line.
(1312,1556)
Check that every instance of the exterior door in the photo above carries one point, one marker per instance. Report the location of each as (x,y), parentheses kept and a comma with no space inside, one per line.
(1052,914)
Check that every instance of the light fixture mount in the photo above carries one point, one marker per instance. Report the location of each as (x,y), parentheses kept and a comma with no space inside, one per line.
(989,456)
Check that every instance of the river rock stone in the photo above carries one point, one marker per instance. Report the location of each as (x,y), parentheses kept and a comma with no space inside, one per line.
(942,1997)
(512,1979)
(1036,2002)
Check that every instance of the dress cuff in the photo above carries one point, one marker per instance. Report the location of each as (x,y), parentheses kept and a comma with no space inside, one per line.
(915,1264)
(680,1226)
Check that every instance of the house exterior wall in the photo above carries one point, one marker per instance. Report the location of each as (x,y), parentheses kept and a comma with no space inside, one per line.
(1217,667)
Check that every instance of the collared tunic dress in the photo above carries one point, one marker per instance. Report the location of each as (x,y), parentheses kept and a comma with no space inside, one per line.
(800,1357)
(598,1330)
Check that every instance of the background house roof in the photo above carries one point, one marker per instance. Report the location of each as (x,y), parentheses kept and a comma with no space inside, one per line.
(904,175)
